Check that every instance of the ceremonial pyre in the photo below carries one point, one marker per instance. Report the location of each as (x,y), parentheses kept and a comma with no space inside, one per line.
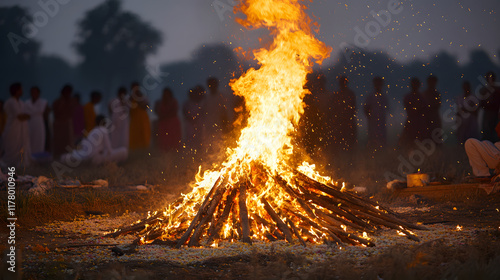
(258,193)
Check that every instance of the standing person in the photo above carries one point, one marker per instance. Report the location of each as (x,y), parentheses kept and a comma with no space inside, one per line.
(63,132)
(78,119)
(343,116)
(120,118)
(37,108)
(375,109)
(140,127)
(89,111)
(415,126)
(216,119)
(15,137)
(169,125)
(491,105)
(432,98)
(193,112)
(467,115)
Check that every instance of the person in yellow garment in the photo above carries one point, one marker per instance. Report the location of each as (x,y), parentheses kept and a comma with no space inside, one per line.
(140,127)
(89,111)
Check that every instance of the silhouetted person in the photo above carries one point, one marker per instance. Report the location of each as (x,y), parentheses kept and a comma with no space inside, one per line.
(490,96)
(78,119)
(89,110)
(376,107)
(467,110)
(140,127)
(63,132)
(313,123)
(169,125)
(119,108)
(416,124)
(16,141)
(216,119)
(433,103)
(96,147)
(37,108)
(193,112)
(343,117)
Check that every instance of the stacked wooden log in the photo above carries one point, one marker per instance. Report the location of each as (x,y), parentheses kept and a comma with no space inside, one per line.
(312,211)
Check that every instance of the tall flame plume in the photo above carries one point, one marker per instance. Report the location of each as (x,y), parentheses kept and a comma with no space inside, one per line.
(257,193)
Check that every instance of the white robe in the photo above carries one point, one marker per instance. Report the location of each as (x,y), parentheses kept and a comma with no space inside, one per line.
(16,142)
(120,118)
(96,149)
(36,124)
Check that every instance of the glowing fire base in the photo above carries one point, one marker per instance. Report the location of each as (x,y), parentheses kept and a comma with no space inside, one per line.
(313,210)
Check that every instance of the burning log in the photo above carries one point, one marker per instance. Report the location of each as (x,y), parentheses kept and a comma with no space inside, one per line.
(245,226)
(215,228)
(205,203)
(279,223)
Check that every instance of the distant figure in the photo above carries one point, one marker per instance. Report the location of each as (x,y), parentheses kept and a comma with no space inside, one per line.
(432,99)
(313,123)
(37,108)
(140,127)
(490,95)
(169,125)
(96,147)
(415,126)
(216,119)
(343,116)
(63,132)
(193,112)
(467,109)
(78,119)
(120,117)
(16,141)
(89,110)
(376,107)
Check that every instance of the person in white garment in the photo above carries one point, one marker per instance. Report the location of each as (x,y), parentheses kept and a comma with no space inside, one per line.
(120,112)
(96,148)
(16,142)
(483,156)
(37,108)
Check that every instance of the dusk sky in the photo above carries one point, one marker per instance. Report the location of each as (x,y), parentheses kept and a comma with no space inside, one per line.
(420,30)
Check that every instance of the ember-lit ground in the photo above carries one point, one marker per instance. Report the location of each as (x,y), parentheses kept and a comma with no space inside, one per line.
(57,235)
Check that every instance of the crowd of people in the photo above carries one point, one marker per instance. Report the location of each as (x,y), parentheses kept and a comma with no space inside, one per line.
(78,133)
(329,123)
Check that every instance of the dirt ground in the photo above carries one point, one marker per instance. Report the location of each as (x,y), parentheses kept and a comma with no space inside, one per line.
(477,258)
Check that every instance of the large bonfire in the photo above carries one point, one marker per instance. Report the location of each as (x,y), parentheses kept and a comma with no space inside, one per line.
(258,193)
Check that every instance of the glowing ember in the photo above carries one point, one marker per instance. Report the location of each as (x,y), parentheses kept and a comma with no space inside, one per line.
(258,193)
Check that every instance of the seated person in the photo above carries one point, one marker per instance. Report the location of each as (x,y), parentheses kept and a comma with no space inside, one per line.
(483,155)
(96,147)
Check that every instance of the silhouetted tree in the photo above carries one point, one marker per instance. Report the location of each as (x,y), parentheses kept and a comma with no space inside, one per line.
(18,50)
(114,44)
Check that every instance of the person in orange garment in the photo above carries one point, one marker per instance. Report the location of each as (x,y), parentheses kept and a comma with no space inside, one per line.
(89,111)
(140,127)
